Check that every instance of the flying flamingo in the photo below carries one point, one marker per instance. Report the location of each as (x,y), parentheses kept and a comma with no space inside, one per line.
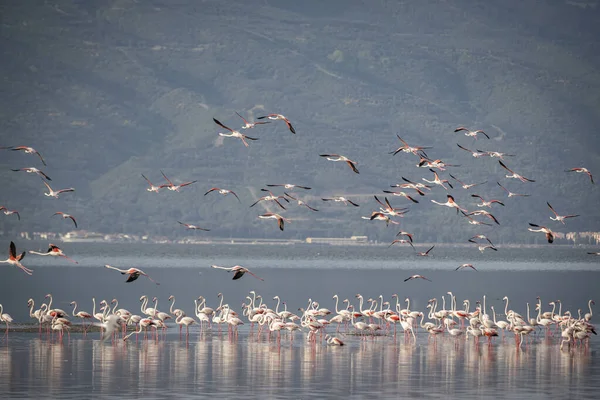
(466,186)
(484,212)
(408,235)
(581,170)
(403,194)
(425,162)
(337,157)
(401,241)
(450,203)
(6,318)
(280,220)
(275,117)
(270,197)
(239,271)
(465,266)
(193,227)
(379,216)
(548,232)
(152,187)
(437,181)
(341,199)
(389,210)
(425,253)
(133,273)
(480,236)
(475,154)
(28,150)
(33,170)
(14,259)
(560,218)
(52,193)
(250,125)
(10,212)
(470,132)
(408,149)
(64,215)
(473,221)
(289,186)
(511,194)
(416,277)
(234,133)
(482,248)
(174,187)
(224,192)
(300,202)
(497,154)
(486,203)
(53,250)
(514,174)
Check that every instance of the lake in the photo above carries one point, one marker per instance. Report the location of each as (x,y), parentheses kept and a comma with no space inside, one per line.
(214,364)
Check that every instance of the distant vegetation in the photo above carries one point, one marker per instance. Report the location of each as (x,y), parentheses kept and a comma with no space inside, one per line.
(109,92)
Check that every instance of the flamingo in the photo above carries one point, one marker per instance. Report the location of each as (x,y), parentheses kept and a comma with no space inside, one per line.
(425,253)
(14,259)
(466,266)
(485,213)
(173,187)
(403,194)
(486,203)
(473,221)
(560,218)
(389,210)
(275,117)
(582,170)
(65,215)
(6,318)
(333,340)
(250,125)
(55,194)
(28,150)
(270,197)
(450,203)
(417,277)
(10,212)
(547,231)
(514,174)
(512,194)
(470,132)
(224,192)
(466,186)
(426,162)
(482,248)
(193,227)
(234,133)
(588,316)
(239,271)
(53,250)
(289,186)
(401,241)
(133,273)
(408,149)
(183,320)
(110,325)
(497,154)
(152,187)
(379,216)
(341,199)
(475,154)
(480,236)
(300,202)
(408,235)
(337,157)
(437,181)
(81,314)
(33,170)
(280,220)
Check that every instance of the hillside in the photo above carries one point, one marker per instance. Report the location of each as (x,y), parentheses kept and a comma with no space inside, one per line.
(109,92)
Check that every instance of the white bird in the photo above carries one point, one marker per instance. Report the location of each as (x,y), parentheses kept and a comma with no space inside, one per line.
(239,271)
(14,259)
(560,218)
(234,133)
(470,132)
(52,193)
(133,273)
(280,220)
(548,232)
(337,157)
(33,170)
(450,203)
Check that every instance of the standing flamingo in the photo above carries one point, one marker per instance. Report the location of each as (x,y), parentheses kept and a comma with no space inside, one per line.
(5,318)
(81,314)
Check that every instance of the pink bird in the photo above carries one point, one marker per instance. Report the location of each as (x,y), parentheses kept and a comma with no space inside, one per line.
(470,132)
(416,277)
(28,150)
(33,170)
(581,170)
(224,192)
(10,212)
(193,227)
(466,266)
(239,271)
(250,125)
(514,174)
(133,273)
(486,203)
(549,234)
(174,187)
(450,203)
(64,215)
(511,194)
(475,154)
(337,157)
(289,186)
(300,202)
(55,194)
(14,259)
(425,253)
(560,218)
(405,148)
(152,187)
(340,199)
(234,133)
(280,220)
(53,250)
(279,117)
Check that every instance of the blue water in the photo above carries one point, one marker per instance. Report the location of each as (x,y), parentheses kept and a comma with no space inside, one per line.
(214,364)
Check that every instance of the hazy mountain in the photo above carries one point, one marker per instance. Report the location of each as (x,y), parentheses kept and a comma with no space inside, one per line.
(107,93)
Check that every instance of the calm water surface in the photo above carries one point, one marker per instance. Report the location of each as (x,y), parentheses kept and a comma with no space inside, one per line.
(252,367)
